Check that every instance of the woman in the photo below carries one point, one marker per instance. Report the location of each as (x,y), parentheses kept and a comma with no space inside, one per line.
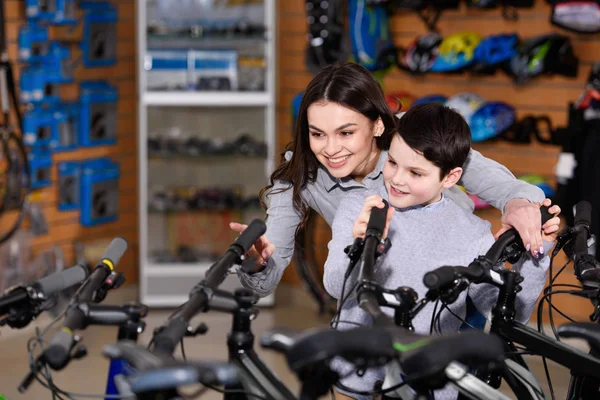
(343,130)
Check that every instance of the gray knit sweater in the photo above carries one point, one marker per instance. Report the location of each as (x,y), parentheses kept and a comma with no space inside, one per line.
(423,238)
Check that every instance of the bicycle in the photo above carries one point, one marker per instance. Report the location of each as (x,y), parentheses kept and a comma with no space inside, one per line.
(585,368)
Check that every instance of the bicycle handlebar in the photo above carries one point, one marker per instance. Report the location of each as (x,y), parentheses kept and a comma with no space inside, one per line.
(57,353)
(157,372)
(481,269)
(200,297)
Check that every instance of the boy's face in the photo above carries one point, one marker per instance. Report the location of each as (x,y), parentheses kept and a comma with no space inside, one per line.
(411,179)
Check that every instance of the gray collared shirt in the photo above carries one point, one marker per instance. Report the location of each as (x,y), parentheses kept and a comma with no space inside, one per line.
(489,180)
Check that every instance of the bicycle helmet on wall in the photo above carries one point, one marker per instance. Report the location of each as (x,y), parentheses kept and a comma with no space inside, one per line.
(577,16)
(491,120)
(546,54)
(421,53)
(465,104)
(482,3)
(494,51)
(456,52)
(439,98)
(400,101)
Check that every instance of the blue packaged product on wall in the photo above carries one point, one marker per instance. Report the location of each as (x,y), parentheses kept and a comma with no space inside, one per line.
(99,191)
(168,70)
(33,86)
(38,125)
(40,162)
(57,12)
(65,131)
(98,113)
(68,185)
(33,42)
(215,70)
(57,64)
(99,44)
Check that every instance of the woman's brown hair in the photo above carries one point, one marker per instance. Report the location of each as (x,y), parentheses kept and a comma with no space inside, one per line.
(349,85)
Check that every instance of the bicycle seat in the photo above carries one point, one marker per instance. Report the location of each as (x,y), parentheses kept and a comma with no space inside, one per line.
(583,330)
(368,347)
(158,372)
(280,339)
(417,355)
(472,348)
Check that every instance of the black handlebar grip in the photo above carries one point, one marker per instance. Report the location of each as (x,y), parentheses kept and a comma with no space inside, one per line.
(546,216)
(439,277)
(255,230)
(376,223)
(62,280)
(57,353)
(583,213)
(115,251)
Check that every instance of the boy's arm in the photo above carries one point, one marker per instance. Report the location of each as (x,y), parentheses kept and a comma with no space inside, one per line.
(341,237)
(494,183)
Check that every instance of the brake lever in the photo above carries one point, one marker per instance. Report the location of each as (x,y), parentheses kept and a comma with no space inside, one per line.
(450,295)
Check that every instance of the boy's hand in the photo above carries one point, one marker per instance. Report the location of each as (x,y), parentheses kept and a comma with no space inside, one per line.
(360,225)
(552,226)
(261,250)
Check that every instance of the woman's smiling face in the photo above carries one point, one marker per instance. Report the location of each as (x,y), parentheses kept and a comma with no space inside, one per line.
(342,139)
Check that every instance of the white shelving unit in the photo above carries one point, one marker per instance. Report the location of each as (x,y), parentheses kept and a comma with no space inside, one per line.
(168,284)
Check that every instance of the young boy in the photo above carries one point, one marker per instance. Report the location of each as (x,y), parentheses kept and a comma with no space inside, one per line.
(426,230)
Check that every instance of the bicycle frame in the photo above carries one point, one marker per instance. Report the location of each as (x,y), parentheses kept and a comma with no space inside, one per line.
(257,378)
(585,368)
(120,367)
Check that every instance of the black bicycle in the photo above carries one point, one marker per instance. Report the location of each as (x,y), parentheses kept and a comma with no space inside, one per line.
(585,368)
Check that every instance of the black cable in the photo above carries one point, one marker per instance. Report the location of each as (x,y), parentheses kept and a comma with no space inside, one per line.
(338,313)
(521,352)
(509,373)
(433,317)
(541,330)
(341,306)
(352,323)
(438,328)
(182,350)
(459,318)
(233,391)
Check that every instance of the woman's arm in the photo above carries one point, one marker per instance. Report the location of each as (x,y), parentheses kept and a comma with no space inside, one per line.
(282,221)
(341,237)
(494,183)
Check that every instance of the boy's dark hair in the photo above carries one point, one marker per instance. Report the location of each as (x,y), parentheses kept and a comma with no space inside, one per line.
(439,133)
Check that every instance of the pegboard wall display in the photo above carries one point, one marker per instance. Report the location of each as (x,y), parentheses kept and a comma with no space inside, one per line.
(538,60)
(75,69)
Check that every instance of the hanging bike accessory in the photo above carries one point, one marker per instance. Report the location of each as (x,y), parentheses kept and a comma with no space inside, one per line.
(371,38)
(14,168)
(428,10)
(326,34)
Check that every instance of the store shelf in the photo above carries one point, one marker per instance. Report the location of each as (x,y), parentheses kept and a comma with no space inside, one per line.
(207,99)
(195,272)
(178,269)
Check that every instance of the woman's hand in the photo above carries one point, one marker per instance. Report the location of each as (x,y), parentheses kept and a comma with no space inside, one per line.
(261,250)
(552,226)
(360,225)
(526,218)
